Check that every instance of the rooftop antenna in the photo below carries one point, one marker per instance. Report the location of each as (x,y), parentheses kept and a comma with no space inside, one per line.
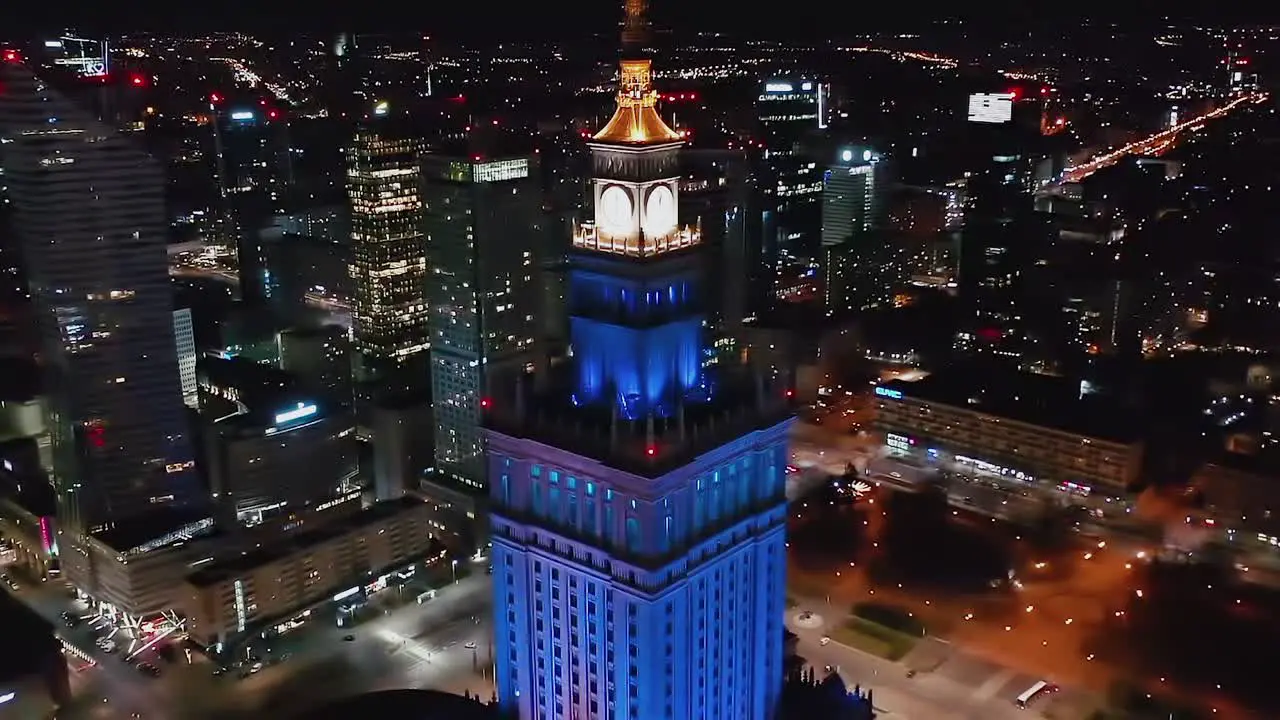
(635,29)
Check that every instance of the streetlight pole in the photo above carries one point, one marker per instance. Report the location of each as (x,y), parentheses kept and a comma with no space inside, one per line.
(453,567)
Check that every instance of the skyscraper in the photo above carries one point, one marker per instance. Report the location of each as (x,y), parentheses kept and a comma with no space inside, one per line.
(851,254)
(88,211)
(483,224)
(639,508)
(388,265)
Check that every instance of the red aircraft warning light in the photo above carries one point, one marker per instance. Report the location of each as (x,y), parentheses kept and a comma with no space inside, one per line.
(137,80)
(12,56)
(651,451)
(215,98)
(485,403)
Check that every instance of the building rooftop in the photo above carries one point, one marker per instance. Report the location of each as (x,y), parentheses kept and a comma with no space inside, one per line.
(738,404)
(415,704)
(1050,402)
(220,570)
(142,530)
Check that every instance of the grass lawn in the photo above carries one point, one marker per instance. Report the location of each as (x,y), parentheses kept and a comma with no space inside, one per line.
(873,638)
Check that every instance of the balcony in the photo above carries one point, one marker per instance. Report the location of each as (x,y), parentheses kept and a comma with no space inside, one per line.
(586,236)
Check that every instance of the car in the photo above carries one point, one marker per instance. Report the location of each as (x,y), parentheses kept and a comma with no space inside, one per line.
(348,638)
(471,645)
(824,641)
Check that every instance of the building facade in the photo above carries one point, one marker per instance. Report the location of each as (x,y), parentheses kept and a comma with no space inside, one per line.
(483,224)
(388,263)
(185,341)
(791,113)
(88,209)
(226,599)
(261,466)
(1069,445)
(638,522)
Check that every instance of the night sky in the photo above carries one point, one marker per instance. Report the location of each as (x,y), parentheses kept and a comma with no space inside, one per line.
(562,19)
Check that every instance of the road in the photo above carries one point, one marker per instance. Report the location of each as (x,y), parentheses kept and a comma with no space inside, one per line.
(1153,144)
(410,646)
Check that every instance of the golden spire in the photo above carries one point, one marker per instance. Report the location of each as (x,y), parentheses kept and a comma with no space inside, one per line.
(636,120)
(635,28)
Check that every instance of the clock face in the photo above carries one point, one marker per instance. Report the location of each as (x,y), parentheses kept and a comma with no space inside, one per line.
(615,208)
(659,210)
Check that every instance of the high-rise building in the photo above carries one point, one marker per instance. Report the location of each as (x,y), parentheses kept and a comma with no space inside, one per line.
(852,199)
(253,151)
(791,112)
(388,265)
(638,523)
(185,341)
(483,224)
(88,211)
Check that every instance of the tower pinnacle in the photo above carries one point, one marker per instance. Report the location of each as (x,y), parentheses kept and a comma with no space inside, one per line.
(636,120)
(635,29)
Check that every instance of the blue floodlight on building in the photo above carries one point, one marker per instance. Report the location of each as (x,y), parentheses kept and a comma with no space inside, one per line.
(638,522)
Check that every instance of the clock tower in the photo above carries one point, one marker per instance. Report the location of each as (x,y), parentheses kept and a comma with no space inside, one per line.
(635,163)
(638,497)
(636,315)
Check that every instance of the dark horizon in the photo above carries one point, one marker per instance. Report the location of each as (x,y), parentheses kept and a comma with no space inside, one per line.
(568,19)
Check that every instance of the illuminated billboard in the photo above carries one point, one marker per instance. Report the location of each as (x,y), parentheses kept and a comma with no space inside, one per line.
(991,107)
(302,411)
(91,58)
(779,87)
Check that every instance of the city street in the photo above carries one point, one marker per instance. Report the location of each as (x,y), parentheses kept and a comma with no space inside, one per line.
(441,644)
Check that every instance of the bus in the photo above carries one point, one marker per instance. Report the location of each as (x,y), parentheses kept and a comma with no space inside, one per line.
(1041,687)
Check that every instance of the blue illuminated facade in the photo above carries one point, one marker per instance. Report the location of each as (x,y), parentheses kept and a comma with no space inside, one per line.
(624,597)
(637,341)
(638,505)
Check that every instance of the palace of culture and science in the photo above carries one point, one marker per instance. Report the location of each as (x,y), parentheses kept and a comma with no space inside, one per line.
(638,494)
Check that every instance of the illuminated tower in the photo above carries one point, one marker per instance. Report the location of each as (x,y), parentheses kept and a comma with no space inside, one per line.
(388,267)
(639,512)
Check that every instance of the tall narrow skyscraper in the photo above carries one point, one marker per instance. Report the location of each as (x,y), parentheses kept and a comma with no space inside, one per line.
(639,512)
(483,224)
(88,211)
(388,266)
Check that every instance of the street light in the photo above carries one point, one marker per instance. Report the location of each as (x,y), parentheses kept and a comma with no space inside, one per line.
(453,567)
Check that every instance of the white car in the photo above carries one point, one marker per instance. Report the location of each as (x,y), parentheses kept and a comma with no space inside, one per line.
(824,641)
